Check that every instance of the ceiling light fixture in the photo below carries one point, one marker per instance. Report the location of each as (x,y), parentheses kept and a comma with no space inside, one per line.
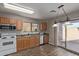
(55,23)
(13,7)
(67,20)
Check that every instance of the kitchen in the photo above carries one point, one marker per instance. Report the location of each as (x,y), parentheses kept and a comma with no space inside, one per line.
(17,34)
(33,29)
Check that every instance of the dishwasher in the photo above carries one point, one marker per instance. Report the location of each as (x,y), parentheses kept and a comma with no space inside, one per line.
(41,38)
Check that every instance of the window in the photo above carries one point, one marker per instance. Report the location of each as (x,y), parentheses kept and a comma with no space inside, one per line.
(26,27)
(34,27)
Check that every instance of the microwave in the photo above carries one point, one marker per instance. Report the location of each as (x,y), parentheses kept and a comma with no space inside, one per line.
(7,27)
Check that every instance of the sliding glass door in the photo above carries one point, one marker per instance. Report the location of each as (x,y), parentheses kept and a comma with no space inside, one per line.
(73,36)
(68,36)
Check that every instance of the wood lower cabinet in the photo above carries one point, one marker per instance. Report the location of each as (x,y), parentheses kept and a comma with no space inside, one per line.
(25,42)
(37,41)
(34,41)
(18,45)
(31,42)
(22,43)
(46,39)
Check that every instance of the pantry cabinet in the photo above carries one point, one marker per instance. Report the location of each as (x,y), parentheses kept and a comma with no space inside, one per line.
(43,26)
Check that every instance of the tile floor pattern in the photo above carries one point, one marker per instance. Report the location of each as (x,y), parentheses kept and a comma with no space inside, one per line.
(44,50)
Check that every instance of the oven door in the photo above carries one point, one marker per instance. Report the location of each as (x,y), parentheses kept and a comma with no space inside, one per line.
(7,44)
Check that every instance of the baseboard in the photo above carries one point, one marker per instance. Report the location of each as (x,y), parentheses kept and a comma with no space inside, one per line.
(43,44)
(70,50)
(51,44)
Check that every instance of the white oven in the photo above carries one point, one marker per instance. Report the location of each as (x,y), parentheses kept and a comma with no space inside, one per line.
(7,43)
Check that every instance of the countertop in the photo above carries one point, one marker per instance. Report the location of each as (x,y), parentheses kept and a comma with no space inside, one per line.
(24,33)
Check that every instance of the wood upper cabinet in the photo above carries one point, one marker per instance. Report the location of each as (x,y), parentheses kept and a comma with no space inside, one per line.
(7,20)
(19,24)
(43,26)
(4,20)
(12,21)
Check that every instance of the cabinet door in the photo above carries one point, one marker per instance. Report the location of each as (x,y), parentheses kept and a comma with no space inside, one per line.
(43,26)
(32,42)
(36,40)
(46,39)
(28,42)
(37,43)
(19,25)
(7,20)
(25,43)
(19,45)
(13,21)
(22,43)
(2,20)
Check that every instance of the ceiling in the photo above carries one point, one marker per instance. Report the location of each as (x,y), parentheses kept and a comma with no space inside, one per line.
(42,10)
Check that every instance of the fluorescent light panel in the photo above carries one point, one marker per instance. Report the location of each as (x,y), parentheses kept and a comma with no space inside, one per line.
(13,7)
